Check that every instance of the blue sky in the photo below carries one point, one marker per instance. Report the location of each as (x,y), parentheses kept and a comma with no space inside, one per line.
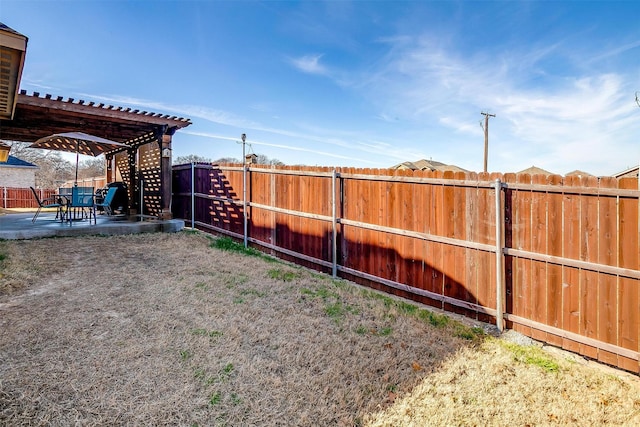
(364,84)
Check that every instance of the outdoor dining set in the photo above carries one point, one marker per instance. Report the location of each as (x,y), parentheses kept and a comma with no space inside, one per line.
(76,203)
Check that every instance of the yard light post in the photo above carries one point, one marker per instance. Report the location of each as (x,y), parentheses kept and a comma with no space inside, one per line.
(244,187)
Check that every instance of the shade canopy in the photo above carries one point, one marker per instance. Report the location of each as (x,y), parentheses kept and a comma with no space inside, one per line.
(78,142)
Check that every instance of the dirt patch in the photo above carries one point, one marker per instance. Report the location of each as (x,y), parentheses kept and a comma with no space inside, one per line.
(163,329)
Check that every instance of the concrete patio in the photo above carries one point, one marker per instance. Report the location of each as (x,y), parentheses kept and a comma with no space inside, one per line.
(17,225)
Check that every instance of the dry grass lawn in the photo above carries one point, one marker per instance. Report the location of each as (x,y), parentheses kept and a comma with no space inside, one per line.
(166,329)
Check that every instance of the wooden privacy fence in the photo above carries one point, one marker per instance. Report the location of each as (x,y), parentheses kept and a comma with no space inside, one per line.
(96,182)
(554,258)
(22,197)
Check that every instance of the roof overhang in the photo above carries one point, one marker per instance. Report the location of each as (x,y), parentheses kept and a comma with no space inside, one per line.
(13,49)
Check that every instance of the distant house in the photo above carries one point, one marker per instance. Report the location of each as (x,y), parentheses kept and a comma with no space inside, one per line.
(431,165)
(534,170)
(578,173)
(17,173)
(628,173)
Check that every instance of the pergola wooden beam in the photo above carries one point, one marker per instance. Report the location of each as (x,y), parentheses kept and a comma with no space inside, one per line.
(36,117)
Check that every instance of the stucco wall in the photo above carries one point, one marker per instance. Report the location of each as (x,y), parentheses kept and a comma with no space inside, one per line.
(17,177)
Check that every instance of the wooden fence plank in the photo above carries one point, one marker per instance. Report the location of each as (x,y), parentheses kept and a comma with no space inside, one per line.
(539,268)
(509,261)
(366,256)
(522,240)
(417,272)
(458,274)
(437,220)
(449,252)
(554,271)
(607,284)
(485,288)
(589,279)
(470,233)
(381,215)
(429,270)
(283,236)
(571,275)
(406,212)
(388,211)
(629,292)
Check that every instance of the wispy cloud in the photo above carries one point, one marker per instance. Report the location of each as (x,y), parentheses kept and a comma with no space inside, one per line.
(269,144)
(615,52)
(309,64)
(587,122)
(210,114)
(556,118)
(38,84)
(350,142)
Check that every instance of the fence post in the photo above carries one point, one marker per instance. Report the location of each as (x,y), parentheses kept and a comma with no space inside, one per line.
(193,195)
(244,200)
(334,225)
(499,255)
(4,197)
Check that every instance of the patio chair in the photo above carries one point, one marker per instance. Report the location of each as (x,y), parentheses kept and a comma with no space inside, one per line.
(49,202)
(106,202)
(65,193)
(82,202)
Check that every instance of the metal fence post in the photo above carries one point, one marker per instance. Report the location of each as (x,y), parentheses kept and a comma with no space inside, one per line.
(244,201)
(334,224)
(193,195)
(499,255)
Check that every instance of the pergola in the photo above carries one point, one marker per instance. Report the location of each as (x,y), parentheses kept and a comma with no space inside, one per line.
(145,166)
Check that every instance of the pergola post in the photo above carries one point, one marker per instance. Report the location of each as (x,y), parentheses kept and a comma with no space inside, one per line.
(134,183)
(165,173)
(109,162)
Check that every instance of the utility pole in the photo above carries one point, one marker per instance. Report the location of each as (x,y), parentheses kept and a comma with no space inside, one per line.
(486,137)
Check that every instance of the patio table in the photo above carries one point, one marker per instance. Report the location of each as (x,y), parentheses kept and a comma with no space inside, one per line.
(80,203)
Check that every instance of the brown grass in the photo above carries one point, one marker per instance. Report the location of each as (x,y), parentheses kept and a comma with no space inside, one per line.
(162,329)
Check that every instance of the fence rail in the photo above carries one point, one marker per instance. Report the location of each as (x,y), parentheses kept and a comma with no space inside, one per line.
(556,258)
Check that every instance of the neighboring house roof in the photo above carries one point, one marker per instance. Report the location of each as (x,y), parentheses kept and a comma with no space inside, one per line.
(631,172)
(424,164)
(578,173)
(431,165)
(405,166)
(16,162)
(534,170)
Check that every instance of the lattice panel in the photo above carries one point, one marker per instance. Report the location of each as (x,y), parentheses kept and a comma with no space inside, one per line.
(122,163)
(149,172)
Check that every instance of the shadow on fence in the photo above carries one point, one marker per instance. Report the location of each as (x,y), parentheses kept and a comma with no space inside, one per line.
(566,300)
